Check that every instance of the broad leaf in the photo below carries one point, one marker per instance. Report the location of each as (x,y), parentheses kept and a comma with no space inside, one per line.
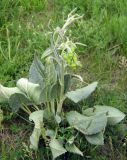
(114,115)
(34,138)
(56,148)
(33,91)
(17,101)
(6,92)
(36,72)
(87,125)
(50,71)
(81,93)
(73,149)
(96,139)
(37,118)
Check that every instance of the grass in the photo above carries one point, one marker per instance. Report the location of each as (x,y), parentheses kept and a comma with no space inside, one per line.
(24,27)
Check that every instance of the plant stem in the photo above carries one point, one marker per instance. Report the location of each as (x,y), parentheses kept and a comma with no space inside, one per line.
(62,97)
(52,107)
(112,149)
(26,109)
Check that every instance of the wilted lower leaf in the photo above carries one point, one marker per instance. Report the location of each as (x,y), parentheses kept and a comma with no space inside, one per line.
(33,91)
(72,148)
(96,139)
(114,115)
(81,93)
(56,148)
(87,125)
(34,138)
(6,92)
(37,118)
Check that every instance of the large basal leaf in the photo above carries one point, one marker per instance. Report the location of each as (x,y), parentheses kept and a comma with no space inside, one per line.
(96,139)
(6,92)
(37,118)
(87,125)
(73,149)
(36,72)
(114,115)
(57,148)
(17,101)
(81,93)
(33,91)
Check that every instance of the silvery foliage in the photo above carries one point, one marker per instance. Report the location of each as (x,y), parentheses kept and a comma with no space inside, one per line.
(42,96)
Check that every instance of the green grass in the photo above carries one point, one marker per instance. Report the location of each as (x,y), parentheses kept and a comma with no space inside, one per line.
(24,27)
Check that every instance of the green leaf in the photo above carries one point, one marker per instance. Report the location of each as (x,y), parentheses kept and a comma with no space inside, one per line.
(50,71)
(56,148)
(81,93)
(67,82)
(36,72)
(37,118)
(114,115)
(73,149)
(87,125)
(5,93)
(96,139)
(33,91)
(17,100)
